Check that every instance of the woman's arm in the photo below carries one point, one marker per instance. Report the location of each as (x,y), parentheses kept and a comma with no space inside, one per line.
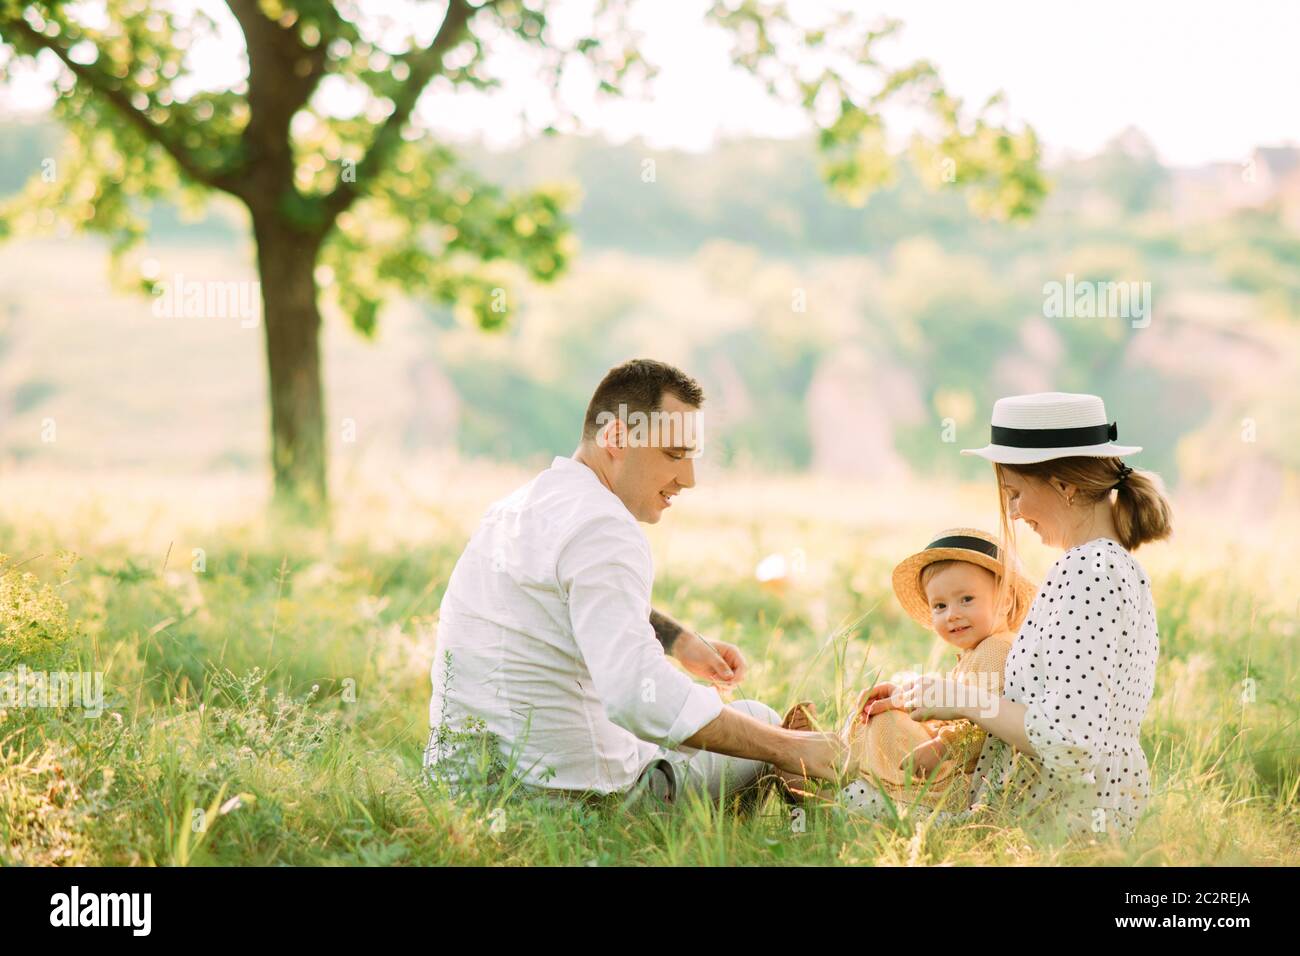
(1007,722)
(935,696)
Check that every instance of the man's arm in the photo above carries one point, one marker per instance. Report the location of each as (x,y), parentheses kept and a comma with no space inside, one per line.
(825,756)
(821,755)
(719,662)
(666,629)
(607,573)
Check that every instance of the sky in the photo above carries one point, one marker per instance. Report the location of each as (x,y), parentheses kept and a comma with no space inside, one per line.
(1204,81)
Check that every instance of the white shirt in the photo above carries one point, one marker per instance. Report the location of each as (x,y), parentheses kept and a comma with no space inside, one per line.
(546,626)
(1084,666)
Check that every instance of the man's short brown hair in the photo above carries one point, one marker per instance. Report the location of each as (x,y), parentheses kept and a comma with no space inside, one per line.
(639,386)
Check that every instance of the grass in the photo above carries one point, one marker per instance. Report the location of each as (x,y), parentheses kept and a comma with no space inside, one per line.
(266,703)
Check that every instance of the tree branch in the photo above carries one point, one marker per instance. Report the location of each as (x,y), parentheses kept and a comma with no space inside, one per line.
(116,96)
(424,65)
(282,73)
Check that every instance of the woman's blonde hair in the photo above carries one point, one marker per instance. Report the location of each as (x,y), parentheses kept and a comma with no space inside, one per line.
(1006,598)
(1139,509)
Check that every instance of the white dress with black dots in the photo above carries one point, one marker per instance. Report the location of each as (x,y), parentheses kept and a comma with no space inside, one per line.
(1084,666)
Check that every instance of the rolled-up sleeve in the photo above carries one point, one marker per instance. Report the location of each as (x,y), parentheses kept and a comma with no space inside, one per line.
(606,573)
(1067,718)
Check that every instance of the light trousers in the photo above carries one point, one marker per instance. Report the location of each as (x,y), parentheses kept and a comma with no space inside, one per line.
(674,773)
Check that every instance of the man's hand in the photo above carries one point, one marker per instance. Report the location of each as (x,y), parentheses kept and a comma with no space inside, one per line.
(823,756)
(716,661)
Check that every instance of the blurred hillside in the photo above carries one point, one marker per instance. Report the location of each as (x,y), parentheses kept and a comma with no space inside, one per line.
(857,342)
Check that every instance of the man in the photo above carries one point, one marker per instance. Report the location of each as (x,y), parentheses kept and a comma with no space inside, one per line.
(546,637)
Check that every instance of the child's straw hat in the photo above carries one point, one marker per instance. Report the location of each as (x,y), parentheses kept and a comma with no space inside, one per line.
(956,544)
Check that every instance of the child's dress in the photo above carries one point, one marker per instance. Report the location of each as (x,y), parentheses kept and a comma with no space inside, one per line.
(892,735)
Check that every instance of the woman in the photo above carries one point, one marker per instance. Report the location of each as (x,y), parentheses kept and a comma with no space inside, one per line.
(1063,735)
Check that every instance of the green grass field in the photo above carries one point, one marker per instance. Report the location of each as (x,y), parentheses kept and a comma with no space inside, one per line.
(271,706)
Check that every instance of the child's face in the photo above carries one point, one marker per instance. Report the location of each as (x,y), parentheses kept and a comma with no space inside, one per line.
(961,598)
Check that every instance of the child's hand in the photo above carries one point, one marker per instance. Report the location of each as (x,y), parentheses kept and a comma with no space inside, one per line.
(926,757)
(873,701)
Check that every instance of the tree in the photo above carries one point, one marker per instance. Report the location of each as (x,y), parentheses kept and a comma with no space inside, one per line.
(347,211)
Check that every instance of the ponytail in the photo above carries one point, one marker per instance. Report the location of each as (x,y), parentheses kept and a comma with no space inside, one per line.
(1140,510)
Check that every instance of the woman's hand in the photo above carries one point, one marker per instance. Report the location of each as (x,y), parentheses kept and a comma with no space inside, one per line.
(718,662)
(931,697)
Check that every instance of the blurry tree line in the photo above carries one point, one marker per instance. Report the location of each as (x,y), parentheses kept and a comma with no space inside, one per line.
(705,265)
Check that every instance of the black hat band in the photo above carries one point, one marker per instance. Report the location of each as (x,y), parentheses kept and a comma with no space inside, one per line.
(966,543)
(1055,437)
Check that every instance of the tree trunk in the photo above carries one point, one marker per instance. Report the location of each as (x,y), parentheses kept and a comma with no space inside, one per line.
(286,262)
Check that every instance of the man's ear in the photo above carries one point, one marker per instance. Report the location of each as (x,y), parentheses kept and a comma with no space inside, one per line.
(613,438)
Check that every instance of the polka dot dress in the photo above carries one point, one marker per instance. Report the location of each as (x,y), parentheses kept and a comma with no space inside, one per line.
(1084,666)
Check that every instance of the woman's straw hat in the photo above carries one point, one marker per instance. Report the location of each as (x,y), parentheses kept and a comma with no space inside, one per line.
(956,544)
(1049,425)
